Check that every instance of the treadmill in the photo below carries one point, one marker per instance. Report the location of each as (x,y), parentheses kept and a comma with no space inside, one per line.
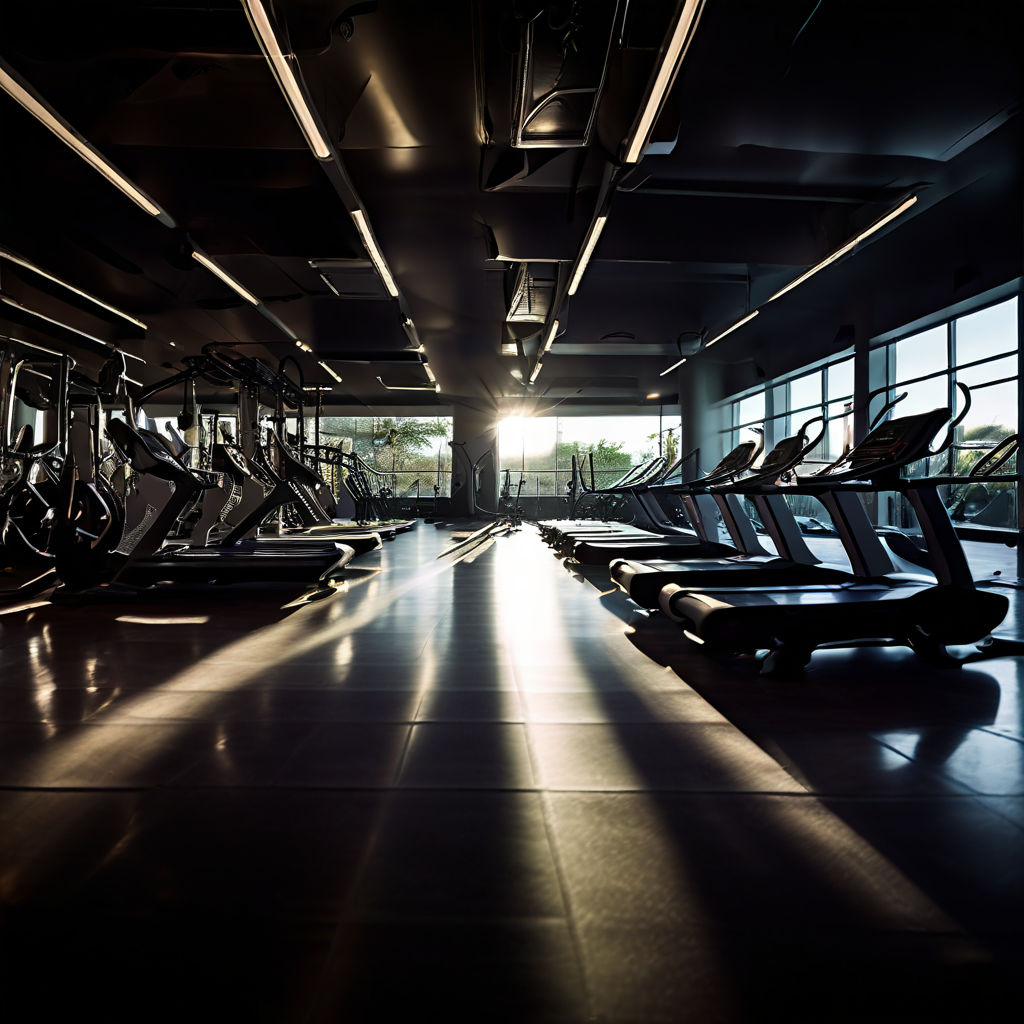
(645,472)
(642,579)
(791,621)
(701,509)
(577,539)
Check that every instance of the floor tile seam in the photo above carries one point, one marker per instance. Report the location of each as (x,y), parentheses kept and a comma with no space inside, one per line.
(319,992)
(938,774)
(1002,735)
(728,721)
(1014,822)
(550,832)
(403,757)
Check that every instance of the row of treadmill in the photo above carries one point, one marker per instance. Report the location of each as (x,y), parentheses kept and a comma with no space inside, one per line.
(94,499)
(694,551)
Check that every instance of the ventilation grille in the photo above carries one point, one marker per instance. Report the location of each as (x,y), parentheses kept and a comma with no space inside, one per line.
(351,279)
(531,299)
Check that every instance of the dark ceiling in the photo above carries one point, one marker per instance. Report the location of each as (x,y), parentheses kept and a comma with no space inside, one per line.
(791,127)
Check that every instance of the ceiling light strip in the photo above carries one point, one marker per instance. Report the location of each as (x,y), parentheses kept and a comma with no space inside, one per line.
(852,243)
(673,367)
(409,387)
(370,243)
(550,339)
(536,372)
(330,370)
(674,53)
(588,250)
(220,272)
(736,326)
(50,119)
(285,67)
(22,262)
(57,323)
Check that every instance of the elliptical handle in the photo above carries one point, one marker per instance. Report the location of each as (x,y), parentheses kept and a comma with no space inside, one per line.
(812,444)
(886,409)
(956,421)
(994,460)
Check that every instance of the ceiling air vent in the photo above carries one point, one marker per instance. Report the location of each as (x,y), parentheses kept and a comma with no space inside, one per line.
(531,298)
(351,279)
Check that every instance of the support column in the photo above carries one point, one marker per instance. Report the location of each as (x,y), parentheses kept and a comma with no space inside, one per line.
(475,432)
(700,386)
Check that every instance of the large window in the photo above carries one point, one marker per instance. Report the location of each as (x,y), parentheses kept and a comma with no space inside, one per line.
(978,349)
(540,449)
(784,406)
(413,452)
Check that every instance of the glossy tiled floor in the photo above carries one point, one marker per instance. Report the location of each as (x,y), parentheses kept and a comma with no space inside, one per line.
(483,791)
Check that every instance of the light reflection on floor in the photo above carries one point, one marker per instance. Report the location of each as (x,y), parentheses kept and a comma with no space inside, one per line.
(463,778)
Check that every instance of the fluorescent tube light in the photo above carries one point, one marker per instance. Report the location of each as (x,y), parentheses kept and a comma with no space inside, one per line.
(302,345)
(58,323)
(225,277)
(735,326)
(21,262)
(430,373)
(549,340)
(536,372)
(844,249)
(588,249)
(672,367)
(674,53)
(374,253)
(49,118)
(331,371)
(409,387)
(281,65)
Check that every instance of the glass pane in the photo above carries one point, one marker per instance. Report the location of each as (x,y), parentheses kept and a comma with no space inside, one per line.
(779,429)
(996,369)
(993,413)
(618,442)
(921,354)
(805,391)
(840,429)
(987,332)
(411,447)
(751,410)
(923,396)
(840,379)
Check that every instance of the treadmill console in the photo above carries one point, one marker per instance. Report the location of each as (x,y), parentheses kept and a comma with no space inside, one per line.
(892,445)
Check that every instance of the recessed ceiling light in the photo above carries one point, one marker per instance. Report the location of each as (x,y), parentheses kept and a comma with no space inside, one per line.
(42,112)
(50,320)
(220,272)
(682,33)
(331,371)
(285,68)
(735,326)
(28,265)
(376,257)
(846,247)
(549,340)
(588,250)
